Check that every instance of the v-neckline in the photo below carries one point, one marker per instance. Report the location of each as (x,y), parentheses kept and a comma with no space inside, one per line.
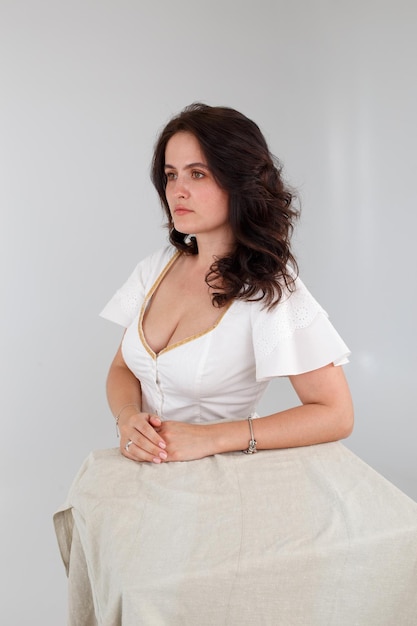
(146,302)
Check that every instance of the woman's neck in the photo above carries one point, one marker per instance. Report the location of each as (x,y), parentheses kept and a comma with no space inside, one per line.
(209,250)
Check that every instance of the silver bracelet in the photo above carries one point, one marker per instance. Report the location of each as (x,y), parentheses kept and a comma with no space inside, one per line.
(252,443)
(116,417)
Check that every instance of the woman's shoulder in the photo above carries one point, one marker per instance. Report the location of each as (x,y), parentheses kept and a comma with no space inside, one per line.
(156,261)
(148,269)
(128,299)
(296,307)
(295,336)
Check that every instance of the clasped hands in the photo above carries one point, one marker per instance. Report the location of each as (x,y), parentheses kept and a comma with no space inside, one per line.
(156,441)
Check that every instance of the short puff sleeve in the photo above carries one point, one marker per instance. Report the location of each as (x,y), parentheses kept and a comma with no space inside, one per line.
(295,337)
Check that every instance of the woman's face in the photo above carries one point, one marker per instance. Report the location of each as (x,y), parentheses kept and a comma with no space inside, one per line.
(198,205)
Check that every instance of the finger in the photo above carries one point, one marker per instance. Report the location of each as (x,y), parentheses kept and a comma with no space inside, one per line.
(136,453)
(145,445)
(149,432)
(144,437)
(141,426)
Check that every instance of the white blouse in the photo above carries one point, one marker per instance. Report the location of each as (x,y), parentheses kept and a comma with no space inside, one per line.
(222,372)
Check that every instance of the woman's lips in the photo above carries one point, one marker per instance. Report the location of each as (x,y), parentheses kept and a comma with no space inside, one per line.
(180,210)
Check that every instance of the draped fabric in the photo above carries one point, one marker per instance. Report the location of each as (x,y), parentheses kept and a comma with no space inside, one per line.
(303,537)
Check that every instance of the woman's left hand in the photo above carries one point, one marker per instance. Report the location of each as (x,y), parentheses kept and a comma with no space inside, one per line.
(186,442)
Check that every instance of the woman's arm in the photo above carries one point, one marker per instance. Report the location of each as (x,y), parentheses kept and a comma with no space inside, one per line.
(326,414)
(124,397)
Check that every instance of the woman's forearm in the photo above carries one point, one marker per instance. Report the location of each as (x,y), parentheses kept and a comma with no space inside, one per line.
(139,440)
(299,426)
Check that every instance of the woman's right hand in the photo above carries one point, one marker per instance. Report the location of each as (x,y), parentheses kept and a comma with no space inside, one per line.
(139,440)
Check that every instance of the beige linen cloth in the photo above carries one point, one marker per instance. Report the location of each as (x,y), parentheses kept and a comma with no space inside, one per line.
(303,537)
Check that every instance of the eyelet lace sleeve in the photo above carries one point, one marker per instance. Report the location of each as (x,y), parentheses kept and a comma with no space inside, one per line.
(295,337)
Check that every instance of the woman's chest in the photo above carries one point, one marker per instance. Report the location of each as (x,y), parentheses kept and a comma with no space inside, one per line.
(178,308)
(217,357)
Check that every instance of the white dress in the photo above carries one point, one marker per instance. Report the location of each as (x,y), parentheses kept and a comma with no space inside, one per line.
(307,536)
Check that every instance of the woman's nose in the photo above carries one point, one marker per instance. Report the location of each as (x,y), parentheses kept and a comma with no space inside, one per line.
(181,189)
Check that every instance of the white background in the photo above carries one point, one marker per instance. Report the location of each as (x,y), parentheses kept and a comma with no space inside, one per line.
(84,88)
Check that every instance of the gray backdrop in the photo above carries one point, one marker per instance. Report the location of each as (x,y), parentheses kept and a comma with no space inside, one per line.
(84,87)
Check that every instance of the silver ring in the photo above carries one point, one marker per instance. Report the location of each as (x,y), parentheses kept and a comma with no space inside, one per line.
(127,445)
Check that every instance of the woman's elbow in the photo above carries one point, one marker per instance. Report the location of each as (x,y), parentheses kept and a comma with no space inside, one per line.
(346,421)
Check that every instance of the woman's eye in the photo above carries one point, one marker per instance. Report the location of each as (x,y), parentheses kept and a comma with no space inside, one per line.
(170,175)
(197,175)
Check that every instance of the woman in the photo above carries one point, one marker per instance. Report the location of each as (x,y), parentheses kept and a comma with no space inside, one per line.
(298,534)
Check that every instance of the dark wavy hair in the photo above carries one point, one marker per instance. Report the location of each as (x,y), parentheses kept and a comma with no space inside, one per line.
(261,210)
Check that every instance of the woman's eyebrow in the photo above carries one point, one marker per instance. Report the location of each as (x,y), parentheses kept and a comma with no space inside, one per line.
(189,166)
